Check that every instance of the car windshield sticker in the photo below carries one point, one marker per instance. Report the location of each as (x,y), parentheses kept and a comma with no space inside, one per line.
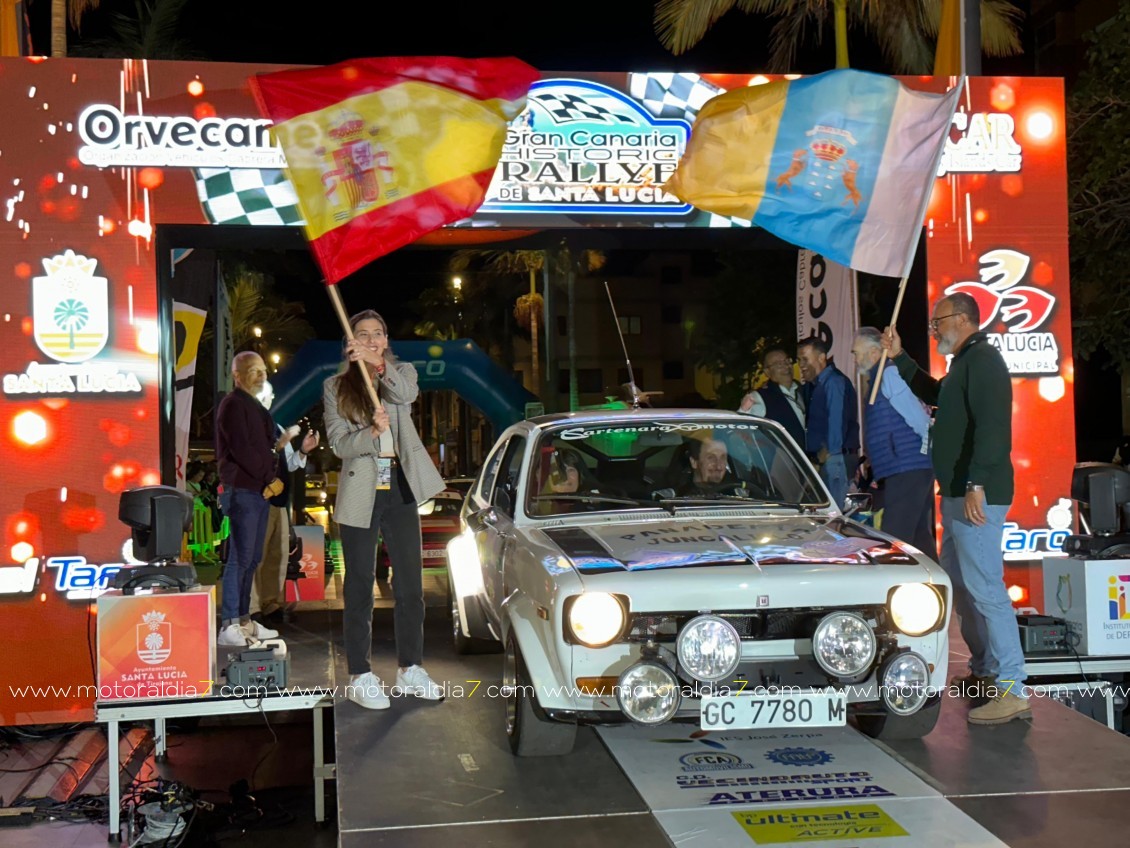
(573,433)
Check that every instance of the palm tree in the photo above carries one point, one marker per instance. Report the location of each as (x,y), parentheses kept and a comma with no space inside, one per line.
(528,305)
(63,11)
(151,32)
(906,31)
(584,262)
(259,317)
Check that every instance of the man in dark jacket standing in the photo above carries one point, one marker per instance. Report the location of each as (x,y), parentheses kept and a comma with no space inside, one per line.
(972,442)
(779,399)
(245,451)
(832,434)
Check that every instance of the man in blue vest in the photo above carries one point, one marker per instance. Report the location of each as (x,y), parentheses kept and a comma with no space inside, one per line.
(896,439)
(832,434)
(780,399)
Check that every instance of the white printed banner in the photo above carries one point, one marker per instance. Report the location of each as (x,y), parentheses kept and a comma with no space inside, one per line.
(675,767)
(826,306)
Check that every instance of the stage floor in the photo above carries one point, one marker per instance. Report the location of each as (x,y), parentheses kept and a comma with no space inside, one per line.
(424,774)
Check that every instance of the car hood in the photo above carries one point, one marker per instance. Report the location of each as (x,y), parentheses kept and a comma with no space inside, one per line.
(759,541)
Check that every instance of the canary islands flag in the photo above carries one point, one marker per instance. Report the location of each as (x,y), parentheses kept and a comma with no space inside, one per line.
(840,163)
(382,151)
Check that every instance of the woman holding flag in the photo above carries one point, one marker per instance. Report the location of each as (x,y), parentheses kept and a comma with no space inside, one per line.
(385,473)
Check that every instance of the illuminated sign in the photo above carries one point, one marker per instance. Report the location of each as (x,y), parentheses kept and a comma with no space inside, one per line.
(1021,544)
(986,145)
(584,147)
(112,138)
(79,580)
(71,324)
(1023,309)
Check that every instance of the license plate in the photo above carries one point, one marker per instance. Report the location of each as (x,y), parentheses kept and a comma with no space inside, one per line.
(438,554)
(754,712)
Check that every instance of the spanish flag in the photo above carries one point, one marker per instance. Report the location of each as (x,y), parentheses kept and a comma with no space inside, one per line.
(840,163)
(382,151)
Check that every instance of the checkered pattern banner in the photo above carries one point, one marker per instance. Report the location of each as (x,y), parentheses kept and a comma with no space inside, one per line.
(247,196)
(668,95)
(567,108)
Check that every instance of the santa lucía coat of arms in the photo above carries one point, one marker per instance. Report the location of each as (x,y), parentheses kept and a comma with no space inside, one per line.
(70,308)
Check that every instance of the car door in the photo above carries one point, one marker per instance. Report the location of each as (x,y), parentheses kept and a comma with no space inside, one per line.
(498,529)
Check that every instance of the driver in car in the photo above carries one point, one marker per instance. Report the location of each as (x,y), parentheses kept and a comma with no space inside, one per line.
(710,467)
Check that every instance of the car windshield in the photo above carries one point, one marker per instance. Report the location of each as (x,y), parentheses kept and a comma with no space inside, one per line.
(672,464)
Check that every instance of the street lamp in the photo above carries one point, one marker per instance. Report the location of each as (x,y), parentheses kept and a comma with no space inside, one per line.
(257,332)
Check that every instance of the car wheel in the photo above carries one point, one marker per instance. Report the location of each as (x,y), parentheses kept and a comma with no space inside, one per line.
(530,732)
(888,727)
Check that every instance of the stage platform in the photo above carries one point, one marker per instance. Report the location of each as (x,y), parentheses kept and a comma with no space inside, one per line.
(425,774)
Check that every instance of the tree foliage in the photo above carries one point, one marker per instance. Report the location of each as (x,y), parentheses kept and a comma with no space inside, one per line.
(751,305)
(905,30)
(1099,188)
(152,31)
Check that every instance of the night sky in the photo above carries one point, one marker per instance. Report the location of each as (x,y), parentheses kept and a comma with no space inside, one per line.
(593,35)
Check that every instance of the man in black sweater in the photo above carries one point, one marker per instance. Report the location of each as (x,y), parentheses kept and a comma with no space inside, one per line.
(972,442)
(245,451)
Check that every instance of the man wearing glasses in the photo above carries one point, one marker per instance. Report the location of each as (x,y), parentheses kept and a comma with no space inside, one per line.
(245,451)
(779,399)
(972,442)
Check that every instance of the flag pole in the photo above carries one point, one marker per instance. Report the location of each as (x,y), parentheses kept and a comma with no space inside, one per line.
(339,308)
(883,358)
(923,205)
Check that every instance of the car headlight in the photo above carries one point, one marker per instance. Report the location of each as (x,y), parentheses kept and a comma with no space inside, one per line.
(709,648)
(596,618)
(464,565)
(648,693)
(916,608)
(904,683)
(844,644)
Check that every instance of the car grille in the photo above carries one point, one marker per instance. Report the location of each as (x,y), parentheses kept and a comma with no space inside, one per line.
(761,625)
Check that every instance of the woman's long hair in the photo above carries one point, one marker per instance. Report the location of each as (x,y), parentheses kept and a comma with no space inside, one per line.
(353,401)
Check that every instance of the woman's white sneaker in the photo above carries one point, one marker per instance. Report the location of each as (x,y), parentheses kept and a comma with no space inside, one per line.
(233,636)
(368,691)
(415,681)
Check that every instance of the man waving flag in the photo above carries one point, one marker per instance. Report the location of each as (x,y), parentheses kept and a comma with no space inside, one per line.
(382,151)
(840,163)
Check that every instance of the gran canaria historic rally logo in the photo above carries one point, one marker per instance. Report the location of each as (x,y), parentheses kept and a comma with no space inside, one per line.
(71,325)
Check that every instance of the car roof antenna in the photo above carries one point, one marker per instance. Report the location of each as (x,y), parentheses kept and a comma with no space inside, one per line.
(633,389)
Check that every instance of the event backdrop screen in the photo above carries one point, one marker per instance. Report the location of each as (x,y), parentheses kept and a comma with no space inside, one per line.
(95,155)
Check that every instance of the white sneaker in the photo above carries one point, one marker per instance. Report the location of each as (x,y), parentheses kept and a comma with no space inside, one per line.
(368,691)
(415,681)
(257,632)
(233,636)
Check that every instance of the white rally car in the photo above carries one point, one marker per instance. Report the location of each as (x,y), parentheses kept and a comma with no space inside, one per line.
(659,565)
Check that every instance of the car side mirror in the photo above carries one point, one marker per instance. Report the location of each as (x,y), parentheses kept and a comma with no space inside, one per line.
(478,521)
(857,502)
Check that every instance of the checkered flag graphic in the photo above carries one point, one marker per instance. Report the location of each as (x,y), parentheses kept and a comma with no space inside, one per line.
(668,95)
(679,96)
(566,108)
(247,196)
